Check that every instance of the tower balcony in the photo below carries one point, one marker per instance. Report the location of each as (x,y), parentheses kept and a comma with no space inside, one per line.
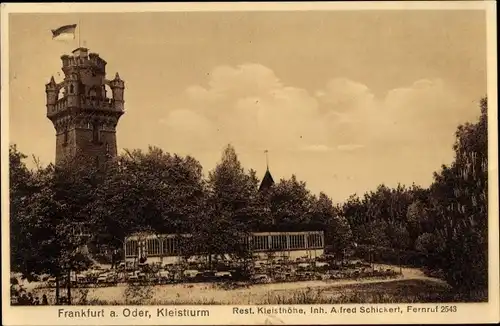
(88,103)
(58,107)
(96,103)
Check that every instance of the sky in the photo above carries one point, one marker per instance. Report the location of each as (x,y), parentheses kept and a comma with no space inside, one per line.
(345,100)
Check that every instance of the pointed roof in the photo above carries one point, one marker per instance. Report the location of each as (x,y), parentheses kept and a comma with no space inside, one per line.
(51,84)
(267,181)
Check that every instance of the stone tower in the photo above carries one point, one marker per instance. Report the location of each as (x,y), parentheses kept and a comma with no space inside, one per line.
(83,114)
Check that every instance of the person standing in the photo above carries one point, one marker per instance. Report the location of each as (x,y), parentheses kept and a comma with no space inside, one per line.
(45,301)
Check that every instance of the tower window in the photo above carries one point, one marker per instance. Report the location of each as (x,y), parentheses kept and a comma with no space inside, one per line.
(71,89)
(96,134)
(107,148)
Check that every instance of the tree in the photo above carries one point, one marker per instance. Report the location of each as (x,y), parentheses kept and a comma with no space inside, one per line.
(338,233)
(459,199)
(49,225)
(322,209)
(290,203)
(388,219)
(431,245)
(418,220)
(355,212)
(231,208)
(20,188)
(151,190)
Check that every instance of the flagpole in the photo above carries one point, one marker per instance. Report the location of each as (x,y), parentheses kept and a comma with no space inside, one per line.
(79,29)
(267,159)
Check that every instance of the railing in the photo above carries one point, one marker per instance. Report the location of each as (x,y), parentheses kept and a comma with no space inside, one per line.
(87,103)
(90,102)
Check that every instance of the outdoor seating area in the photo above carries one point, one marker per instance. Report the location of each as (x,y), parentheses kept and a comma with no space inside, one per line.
(275,270)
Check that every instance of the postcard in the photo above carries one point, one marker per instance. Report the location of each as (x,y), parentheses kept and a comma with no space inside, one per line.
(249,163)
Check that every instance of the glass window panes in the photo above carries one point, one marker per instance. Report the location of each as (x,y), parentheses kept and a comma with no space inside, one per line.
(131,248)
(171,245)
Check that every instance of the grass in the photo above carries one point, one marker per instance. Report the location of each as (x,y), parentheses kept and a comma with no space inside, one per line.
(404,291)
(398,291)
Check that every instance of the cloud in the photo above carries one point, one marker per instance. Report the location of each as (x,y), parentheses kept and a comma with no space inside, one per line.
(349,147)
(341,95)
(317,148)
(232,83)
(250,107)
(427,110)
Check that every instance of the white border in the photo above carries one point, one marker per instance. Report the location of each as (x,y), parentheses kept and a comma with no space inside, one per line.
(222,315)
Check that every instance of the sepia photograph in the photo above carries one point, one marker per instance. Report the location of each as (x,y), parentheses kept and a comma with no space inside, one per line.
(274,161)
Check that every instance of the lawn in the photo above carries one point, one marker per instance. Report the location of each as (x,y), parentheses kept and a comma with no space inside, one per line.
(310,292)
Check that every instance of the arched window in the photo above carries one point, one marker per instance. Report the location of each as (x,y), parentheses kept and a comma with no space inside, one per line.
(61,93)
(71,89)
(108,91)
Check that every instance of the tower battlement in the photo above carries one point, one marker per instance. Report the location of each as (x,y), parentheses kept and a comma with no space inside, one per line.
(83,113)
(80,58)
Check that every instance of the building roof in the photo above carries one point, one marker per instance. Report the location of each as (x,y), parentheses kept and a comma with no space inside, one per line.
(267,181)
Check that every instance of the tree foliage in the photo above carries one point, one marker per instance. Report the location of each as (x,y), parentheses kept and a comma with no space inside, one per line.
(290,202)
(21,187)
(460,209)
(150,190)
(50,227)
(230,208)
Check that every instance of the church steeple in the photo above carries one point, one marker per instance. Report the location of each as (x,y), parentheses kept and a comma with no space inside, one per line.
(267,159)
(267,181)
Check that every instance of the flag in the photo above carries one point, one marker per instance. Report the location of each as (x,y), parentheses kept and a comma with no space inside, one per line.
(66,32)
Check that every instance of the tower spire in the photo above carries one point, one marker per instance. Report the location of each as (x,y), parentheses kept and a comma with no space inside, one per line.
(267,181)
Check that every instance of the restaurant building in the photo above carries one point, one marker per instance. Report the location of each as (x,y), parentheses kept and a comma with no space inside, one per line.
(167,248)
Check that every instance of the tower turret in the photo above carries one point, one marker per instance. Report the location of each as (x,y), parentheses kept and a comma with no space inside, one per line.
(52,93)
(117,86)
(84,118)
